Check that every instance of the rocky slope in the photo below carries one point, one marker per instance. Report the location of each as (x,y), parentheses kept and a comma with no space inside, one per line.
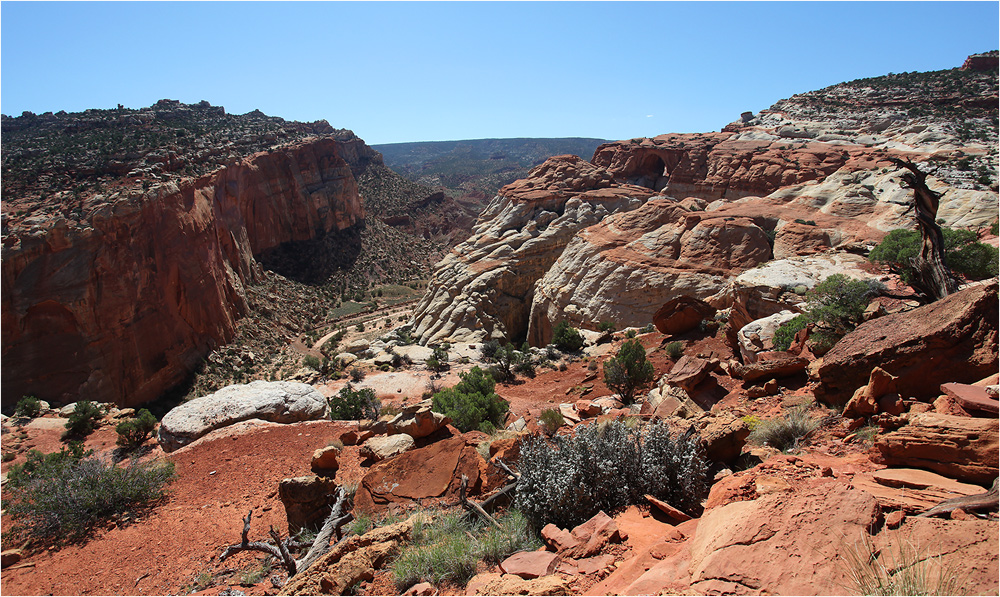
(812,174)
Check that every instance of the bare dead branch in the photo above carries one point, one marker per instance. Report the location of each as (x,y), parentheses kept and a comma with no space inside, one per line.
(505,492)
(473,506)
(503,466)
(980,502)
(247,545)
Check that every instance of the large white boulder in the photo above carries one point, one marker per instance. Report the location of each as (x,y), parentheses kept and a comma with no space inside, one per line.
(275,401)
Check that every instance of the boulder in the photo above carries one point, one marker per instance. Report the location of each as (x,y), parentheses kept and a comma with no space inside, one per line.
(275,401)
(9,557)
(355,437)
(382,447)
(669,401)
(757,336)
(324,461)
(358,346)
(422,589)
(865,401)
(681,315)
(347,358)
(593,535)
(951,340)
(964,448)
(688,372)
(434,471)
(531,564)
(307,500)
(417,420)
(667,509)
(724,436)
(771,365)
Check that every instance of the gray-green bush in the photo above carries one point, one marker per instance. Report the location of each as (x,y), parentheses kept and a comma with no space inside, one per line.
(568,479)
(61,496)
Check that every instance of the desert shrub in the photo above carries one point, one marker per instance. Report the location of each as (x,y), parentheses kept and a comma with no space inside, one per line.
(357,375)
(312,362)
(134,432)
(496,545)
(606,326)
(783,336)
(507,362)
(567,338)
(83,420)
(648,329)
(629,371)
(784,433)
(995,227)
(550,420)
(630,334)
(353,405)
(836,306)
(64,494)
(471,403)
(963,254)
(28,406)
(566,480)
(675,349)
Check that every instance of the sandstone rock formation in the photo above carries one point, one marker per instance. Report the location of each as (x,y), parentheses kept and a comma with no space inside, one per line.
(964,448)
(121,305)
(483,288)
(951,340)
(275,401)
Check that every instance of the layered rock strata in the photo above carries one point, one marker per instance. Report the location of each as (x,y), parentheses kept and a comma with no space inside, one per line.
(121,305)
(483,289)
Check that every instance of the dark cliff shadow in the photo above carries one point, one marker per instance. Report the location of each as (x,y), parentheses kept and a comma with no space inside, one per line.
(313,261)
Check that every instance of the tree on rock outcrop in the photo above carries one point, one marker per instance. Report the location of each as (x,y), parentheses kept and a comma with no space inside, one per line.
(933,279)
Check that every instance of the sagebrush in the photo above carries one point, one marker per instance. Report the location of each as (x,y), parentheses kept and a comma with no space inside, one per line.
(61,496)
(566,480)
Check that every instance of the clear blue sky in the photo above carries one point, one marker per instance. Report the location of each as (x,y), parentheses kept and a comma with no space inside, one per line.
(396,72)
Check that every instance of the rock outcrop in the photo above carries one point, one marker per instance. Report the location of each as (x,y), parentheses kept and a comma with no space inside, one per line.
(121,305)
(964,448)
(275,401)
(483,289)
(951,340)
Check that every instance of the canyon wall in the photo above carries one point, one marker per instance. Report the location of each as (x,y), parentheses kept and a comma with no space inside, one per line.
(122,304)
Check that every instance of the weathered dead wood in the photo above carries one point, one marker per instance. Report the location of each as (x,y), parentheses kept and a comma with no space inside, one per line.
(935,280)
(981,502)
(488,503)
(473,506)
(503,466)
(279,550)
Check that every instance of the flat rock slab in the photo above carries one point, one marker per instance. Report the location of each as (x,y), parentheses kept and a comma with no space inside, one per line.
(531,564)
(911,490)
(274,401)
(964,448)
(972,398)
(667,509)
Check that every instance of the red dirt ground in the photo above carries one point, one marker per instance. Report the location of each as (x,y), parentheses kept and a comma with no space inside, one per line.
(221,477)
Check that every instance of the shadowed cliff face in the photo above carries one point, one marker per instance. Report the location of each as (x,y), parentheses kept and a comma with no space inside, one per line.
(122,305)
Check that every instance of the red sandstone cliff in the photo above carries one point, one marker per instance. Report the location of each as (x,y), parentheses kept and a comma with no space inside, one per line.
(121,306)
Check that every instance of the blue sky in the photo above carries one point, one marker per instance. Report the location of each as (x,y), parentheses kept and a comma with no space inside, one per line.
(410,71)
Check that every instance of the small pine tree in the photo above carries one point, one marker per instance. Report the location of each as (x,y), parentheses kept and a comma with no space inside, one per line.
(134,432)
(629,371)
(567,338)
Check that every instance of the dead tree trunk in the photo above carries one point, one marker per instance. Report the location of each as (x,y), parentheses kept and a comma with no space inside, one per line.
(934,279)
(320,545)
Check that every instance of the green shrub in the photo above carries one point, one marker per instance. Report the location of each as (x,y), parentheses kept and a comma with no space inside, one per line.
(312,362)
(353,405)
(83,420)
(783,336)
(836,306)
(550,420)
(28,406)
(963,254)
(64,495)
(606,326)
(471,403)
(899,569)
(134,432)
(784,433)
(675,349)
(568,479)
(629,371)
(995,227)
(567,338)
(357,375)
(507,361)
